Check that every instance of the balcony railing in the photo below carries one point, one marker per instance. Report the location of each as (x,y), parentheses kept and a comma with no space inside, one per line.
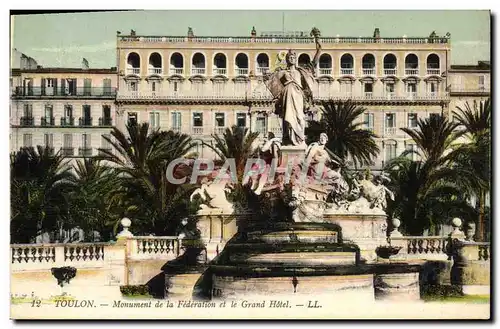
(85,151)
(134,70)
(413,95)
(67,121)
(368,95)
(411,71)
(177,70)
(390,94)
(27,121)
(84,122)
(219,130)
(47,121)
(176,129)
(67,151)
(349,71)
(368,71)
(63,92)
(390,71)
(198,70)
(106,121)
(241,71)
(155,70)
(197,130)
(325,71)
(220,71)
(433,71)
(262,70)
(390,130)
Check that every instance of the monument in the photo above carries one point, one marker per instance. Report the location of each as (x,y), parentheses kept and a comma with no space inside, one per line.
(309,231)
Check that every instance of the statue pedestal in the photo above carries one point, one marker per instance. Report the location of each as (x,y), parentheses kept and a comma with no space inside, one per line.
(292,156)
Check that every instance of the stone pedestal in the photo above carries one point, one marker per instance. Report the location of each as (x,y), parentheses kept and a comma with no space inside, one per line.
(397,286)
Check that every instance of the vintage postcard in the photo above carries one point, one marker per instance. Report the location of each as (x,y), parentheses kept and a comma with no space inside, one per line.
(250,165)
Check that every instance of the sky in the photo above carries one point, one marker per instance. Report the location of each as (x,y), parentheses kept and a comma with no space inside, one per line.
(63,39)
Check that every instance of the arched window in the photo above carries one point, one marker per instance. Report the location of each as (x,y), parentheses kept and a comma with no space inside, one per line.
(411,64)
(433,65)
(155,66)
(241,64)
(346,65)
(176,64)
(368,63)
(325,64)
(133,64)
(390,64)
(220,64)
(304,60)
(262,63)
(198,64)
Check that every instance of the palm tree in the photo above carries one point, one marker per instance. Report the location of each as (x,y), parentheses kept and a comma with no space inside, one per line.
(346,137)
(236,143)
(143,156)
(433,187)
(40,183)
(91,199)
(475,154)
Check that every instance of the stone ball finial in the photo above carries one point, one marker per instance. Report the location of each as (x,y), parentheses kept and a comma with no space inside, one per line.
(456,222)
(126,222)
(396,222)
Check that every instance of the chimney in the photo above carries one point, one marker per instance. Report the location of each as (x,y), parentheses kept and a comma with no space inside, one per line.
(376,33)
(190,32)
(85,64)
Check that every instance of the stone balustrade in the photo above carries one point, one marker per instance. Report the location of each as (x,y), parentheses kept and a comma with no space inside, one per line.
(281,39)
(145,247)
(422,247)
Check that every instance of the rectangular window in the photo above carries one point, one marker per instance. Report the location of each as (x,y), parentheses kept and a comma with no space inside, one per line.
(132,118)
(260,124)
(86,112)
(132,86)
(87,87)
(106,85)
(154,119)
(176,86)
(176,121)
(390,152)
(241,119)
(28,110)
(106,111)
(48,140)
(412,120)
(390,120)
(481,82)
(85,141)
(220,119)
(68,141)
(368,87)
(27,140)
(411,87)
(368,121)
(433,87)
(68,111)
(153,86)
(48,112)
(197,119)
(68,86)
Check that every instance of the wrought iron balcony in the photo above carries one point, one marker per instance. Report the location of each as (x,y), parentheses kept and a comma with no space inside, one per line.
(85,151)
(67,151)
(106,121)
(47,121)
(26,121)
(67,121)
(84,122)
(65,92)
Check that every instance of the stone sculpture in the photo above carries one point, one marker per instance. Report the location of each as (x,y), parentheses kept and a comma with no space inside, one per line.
(292,89)
(216,192)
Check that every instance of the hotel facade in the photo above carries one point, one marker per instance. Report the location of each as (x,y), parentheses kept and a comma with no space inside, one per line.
(202,85)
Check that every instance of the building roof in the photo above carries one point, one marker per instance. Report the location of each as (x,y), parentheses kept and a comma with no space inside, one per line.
(481,66)
(111,70)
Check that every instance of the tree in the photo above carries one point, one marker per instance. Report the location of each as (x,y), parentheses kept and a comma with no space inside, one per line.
(475,154)
(346,137)
(431,190)
(154,203)
(40,183)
